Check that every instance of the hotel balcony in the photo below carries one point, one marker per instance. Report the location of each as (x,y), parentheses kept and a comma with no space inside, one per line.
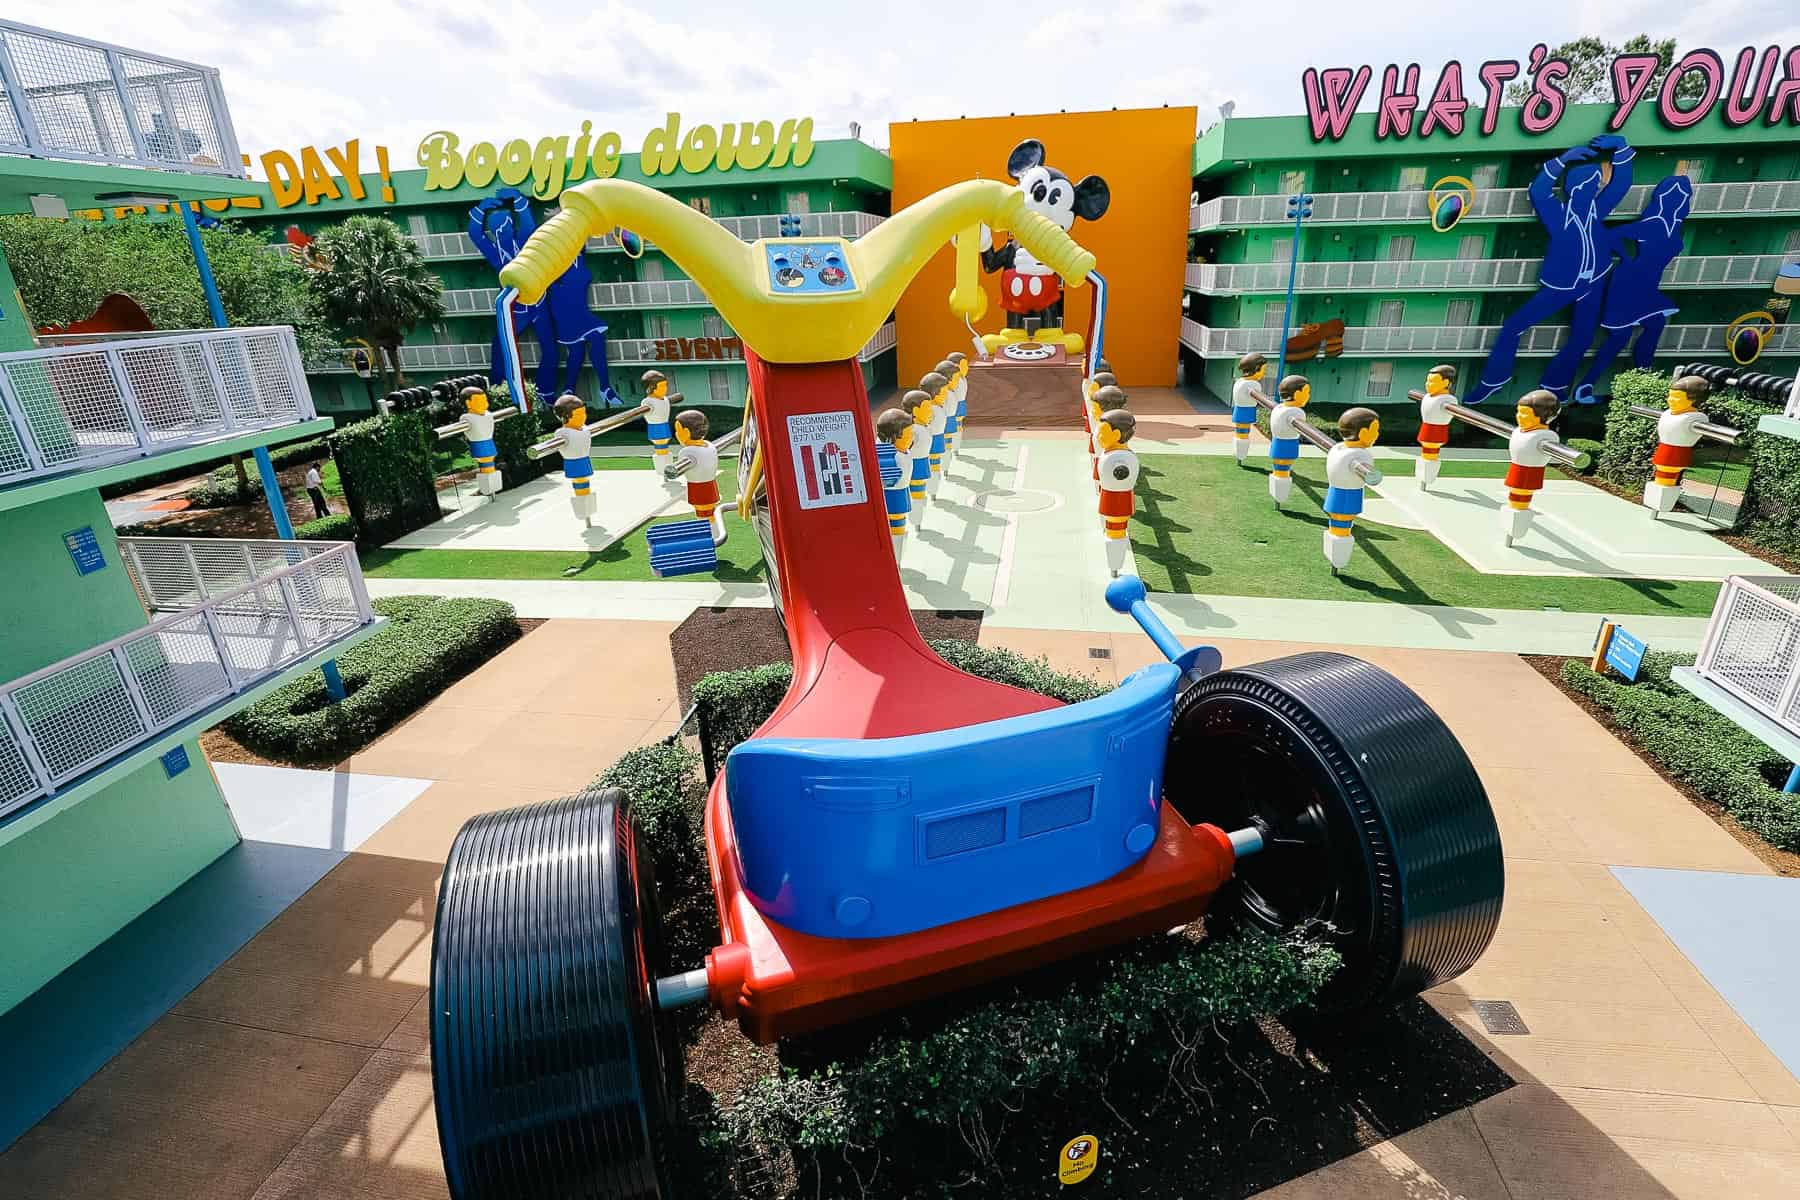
(1457,275)
(850,225)
(1770,198)
(671,293)
(230,620)
(1371,341)
(620,352)
(94,411)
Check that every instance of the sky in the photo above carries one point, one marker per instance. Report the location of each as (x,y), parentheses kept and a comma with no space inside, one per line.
(318,72)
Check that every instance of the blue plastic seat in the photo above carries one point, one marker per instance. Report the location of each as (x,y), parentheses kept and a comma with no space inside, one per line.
(873,837)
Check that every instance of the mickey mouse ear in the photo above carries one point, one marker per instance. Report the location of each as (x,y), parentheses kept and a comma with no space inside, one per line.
(1026,155)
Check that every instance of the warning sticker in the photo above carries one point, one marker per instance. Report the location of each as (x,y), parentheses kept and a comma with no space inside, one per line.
(827,464)
(1078,1159)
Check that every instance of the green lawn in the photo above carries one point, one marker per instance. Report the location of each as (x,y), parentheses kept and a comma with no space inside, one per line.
(1205,525)
(740,559)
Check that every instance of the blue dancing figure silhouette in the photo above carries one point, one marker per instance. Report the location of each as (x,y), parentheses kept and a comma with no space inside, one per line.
(1576,263)
(499,225)
(562,319)
(1634,298)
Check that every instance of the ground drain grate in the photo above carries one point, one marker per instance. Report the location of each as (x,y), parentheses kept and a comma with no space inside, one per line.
(1499,1016)
(1099,652)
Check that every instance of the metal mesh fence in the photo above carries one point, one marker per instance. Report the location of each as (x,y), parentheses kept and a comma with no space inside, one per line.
(242,611)
(88,405)
(68,97)
(1753,645)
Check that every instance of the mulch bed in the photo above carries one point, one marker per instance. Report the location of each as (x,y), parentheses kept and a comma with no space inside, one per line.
(1782,862)
(730,639)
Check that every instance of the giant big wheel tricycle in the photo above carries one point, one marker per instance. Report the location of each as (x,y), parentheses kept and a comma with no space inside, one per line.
(899,829)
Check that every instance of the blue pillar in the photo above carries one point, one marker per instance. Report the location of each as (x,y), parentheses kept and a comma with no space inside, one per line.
(265,467)
(1793,783)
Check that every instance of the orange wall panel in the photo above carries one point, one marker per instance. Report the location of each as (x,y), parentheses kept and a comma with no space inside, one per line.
(1145,155)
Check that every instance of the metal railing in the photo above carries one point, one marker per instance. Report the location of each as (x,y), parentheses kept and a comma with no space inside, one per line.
(475,356)
(83,406)
(1752,646)
(1775,197)
(827,224)
(1458,274)
(235,614)
(655,293)
(70,97)
(1368,341)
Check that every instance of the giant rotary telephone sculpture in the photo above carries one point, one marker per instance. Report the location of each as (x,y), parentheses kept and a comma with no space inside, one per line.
(867,850)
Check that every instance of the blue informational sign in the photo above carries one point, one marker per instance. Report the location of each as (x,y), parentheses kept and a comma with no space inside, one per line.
(175,761)
(1625,654)
(84,548)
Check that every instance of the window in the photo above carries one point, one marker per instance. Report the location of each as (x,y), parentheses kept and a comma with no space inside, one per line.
(1273,312)
(1792,245)
(1412,179)
(650,270)
(1473,246)
(718,384)
(714,326)
(1391,314)
(701,204)
(1460,312)
(1281,250)
(415,225)
(799,203)
(1381,380)
(658,325)
(1693,168)
(1293,182)
(1400,249)
(1485,177)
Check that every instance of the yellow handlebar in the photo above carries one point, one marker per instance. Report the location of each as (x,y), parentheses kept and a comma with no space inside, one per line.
(789,328)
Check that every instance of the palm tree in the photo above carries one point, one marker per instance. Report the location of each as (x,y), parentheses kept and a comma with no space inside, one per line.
(374,284)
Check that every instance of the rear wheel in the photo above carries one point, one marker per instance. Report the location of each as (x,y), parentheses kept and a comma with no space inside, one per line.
(1378,834)
(555,1073)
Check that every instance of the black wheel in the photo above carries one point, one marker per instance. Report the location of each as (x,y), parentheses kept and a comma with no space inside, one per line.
(1377,831)
(555,1074)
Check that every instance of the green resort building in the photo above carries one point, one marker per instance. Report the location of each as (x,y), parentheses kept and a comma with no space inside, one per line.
(1410,297)
(117,652)
(656,317)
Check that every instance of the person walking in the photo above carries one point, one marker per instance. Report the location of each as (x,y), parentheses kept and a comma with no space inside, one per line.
(315,487)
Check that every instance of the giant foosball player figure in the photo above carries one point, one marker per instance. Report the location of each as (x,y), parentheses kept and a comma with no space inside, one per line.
(1092,410)
(575,445)
(1677,433)
(952,418)
(1118,481)
(478,427)
(961,392)
(1525,450)
(1349,466)
(702,458)
(917,405)
(895,427)
(1284,435)
(656,423)
(1434,420)
(938,388)
(1244,394)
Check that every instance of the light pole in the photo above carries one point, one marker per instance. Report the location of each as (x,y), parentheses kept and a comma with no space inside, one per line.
(1299,207)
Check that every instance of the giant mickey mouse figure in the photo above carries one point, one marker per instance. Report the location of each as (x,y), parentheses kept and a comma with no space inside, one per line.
(1028,288)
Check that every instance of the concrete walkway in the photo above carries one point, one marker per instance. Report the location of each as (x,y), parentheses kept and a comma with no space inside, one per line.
(300,1068)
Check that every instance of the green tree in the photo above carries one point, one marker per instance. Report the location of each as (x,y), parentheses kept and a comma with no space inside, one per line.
(1590,70)
(376,286)
(65,268)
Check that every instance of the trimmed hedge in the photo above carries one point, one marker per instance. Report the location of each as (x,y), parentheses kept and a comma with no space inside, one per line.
(732,704)
(668,800)
(1593,449)
(338,527)
(1696,745)
(385,465)
(221,490)
(429,642)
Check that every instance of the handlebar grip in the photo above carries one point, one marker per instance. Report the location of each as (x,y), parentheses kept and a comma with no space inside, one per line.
(1047,243)
(548,253)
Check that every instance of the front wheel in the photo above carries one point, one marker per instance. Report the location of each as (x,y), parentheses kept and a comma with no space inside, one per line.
(1378,835)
